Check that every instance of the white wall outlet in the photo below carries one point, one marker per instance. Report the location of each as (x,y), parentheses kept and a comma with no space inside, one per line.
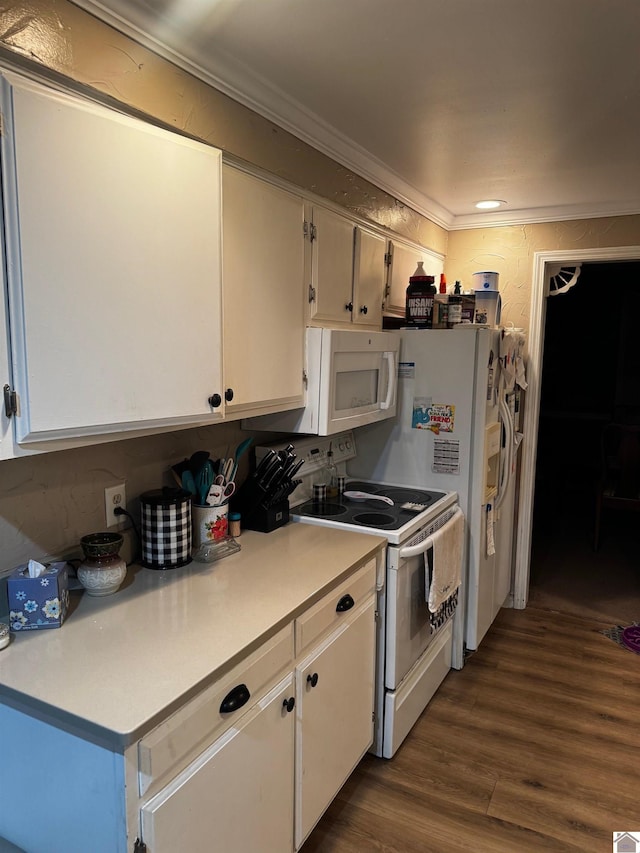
(115,496)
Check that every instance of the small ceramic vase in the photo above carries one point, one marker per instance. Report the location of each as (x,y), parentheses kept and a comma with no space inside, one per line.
(102,570)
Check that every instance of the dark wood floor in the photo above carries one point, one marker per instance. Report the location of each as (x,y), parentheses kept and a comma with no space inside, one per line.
(533,746)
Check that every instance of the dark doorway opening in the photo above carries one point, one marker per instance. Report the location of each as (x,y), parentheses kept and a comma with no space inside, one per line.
(590,377)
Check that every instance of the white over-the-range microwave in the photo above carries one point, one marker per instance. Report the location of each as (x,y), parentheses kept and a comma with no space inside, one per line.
(351,381)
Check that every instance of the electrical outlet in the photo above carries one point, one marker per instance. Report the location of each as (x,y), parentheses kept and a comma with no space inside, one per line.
(115,496)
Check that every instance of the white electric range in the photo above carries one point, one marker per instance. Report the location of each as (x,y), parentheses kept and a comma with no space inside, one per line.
(414,646)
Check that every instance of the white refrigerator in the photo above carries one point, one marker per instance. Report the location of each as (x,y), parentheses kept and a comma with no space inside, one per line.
(455,431)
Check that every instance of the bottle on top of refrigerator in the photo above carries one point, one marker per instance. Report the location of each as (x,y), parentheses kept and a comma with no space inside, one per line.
(420,296)
(455,310)
(441,305)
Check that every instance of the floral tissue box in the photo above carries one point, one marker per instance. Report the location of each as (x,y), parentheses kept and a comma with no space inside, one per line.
(40,602)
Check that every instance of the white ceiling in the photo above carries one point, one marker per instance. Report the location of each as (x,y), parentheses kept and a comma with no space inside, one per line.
(440,102)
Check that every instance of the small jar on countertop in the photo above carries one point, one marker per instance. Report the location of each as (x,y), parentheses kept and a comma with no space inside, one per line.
(234,524)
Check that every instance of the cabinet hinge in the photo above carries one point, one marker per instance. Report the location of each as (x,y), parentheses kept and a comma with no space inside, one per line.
(139,846)
(305,379)
(10,401)
(387,259)
(309,230)
(373,716)
(376,615)
(312,293)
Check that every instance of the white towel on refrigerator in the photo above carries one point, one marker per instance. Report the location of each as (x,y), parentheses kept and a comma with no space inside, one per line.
(446,575)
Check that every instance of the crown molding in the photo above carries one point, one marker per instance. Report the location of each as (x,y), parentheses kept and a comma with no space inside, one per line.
(238,82)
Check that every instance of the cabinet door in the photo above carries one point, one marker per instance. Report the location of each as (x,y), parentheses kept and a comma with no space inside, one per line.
(404,260)
(238,795)
(6,425)
(331,267)
(334,724)
(369,273)
(264,292)
(113,256)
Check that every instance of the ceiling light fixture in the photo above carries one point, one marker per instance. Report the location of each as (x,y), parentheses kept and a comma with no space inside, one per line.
(489,204)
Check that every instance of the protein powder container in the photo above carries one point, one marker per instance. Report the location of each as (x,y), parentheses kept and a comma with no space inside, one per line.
(420,296)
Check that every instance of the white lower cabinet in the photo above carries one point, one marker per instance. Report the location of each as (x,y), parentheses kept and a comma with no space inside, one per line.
(334,701)
(259,776)
(237,795)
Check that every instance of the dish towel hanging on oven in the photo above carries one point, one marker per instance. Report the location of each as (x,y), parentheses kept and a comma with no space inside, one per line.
(446,573)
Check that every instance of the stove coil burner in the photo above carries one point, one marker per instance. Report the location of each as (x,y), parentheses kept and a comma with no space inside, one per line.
(374,519)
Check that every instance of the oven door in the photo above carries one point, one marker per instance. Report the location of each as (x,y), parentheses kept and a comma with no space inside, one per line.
(409,630)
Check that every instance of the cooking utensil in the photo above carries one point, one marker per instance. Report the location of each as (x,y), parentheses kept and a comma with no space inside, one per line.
(219,494)
(204,481)
(227,468)
(188,482)
(365,496)
(240,450)
(178,469)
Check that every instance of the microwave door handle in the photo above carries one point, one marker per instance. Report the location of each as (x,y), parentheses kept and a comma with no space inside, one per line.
(391,384)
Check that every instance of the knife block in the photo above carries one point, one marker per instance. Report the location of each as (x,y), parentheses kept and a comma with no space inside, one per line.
(267,518)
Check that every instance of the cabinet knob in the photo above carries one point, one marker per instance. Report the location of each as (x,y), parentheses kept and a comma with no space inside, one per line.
(345,603)
(312,680)
(364,309)
(228,395)
(348,306)
(289,704)
(215,400)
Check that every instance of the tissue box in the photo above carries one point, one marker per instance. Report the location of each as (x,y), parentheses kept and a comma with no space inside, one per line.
(38,602)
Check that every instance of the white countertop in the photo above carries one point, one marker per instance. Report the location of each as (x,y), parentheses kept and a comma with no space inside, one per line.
(121,663)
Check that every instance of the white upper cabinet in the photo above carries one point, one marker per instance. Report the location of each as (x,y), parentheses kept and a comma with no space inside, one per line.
(264,277)
(369,274)
(347,271)
(403,260)
(113,232)
(6,434)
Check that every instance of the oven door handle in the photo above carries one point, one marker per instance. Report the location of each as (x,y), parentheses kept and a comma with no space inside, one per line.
(415,550)
(426,544)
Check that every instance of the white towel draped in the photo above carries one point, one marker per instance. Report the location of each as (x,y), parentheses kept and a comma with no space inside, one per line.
(446,575)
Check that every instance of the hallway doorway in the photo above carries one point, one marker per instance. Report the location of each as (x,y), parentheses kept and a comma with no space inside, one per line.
(592,325)
(543,263)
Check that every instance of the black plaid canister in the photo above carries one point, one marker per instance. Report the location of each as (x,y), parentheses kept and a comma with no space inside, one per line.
(165,528)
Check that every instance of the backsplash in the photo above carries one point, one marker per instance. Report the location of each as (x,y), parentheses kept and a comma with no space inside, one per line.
(48,501)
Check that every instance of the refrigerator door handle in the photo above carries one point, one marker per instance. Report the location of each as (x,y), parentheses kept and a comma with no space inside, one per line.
(505,474)
(391,384)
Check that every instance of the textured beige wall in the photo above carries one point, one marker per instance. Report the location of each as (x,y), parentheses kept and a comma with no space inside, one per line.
(509,251)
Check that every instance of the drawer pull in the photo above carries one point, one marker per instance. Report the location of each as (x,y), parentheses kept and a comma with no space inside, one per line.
(312,680)
(345,603)
(289,704)
(235,699)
